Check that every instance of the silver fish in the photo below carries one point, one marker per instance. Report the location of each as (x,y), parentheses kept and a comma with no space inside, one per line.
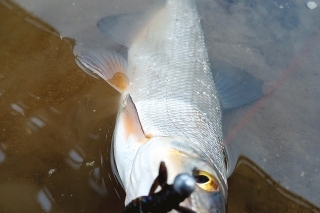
(169,109)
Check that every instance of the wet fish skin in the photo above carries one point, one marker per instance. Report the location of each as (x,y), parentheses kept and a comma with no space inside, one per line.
(170,111)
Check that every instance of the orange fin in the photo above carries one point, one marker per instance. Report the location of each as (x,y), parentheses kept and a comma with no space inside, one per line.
(109,65)
(131,121)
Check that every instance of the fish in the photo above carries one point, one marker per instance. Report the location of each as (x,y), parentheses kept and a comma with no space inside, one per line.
(171,103)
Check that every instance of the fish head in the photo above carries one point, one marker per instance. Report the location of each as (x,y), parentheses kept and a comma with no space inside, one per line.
(180,156)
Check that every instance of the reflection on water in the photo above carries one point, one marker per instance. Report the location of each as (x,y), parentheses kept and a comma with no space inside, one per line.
(44,199)
(2,153)
(75,157)
(54,155)
(17,108)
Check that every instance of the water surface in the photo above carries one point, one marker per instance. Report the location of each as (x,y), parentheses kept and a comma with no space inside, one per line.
(54,118)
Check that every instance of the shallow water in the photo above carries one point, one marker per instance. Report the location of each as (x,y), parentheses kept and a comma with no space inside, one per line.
(54,117)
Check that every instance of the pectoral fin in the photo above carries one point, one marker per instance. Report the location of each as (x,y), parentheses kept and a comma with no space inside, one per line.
(109,65)
(128,137)
(235,87)
(131,122)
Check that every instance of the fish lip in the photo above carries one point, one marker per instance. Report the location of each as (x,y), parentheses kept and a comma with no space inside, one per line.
(217,203)
(220,206)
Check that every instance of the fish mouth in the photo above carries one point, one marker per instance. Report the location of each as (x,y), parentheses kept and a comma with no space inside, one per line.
(202,204)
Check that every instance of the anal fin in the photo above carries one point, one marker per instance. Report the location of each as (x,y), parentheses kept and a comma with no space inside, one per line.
(109,65)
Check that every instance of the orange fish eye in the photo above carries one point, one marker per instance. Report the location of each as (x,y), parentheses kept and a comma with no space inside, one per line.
(205,181)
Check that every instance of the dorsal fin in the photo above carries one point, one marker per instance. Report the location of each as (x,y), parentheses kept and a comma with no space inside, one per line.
(109,65)
(123,28)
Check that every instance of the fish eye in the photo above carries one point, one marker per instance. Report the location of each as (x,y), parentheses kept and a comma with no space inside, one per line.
(205,180)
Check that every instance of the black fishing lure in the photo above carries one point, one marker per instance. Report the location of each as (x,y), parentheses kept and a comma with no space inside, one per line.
(168,198)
